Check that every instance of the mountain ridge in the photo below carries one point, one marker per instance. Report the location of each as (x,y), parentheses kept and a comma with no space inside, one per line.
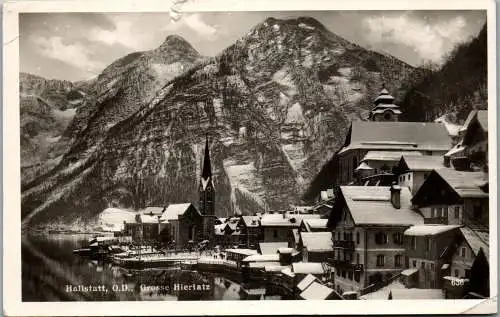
(276,104)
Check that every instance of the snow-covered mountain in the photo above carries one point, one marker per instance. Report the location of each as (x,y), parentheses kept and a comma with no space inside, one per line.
(276,105)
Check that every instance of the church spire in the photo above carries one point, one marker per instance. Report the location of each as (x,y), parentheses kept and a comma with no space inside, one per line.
(207,167)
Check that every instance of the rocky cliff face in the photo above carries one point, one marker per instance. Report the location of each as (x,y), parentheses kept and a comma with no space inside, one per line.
(275,105)
(46,109)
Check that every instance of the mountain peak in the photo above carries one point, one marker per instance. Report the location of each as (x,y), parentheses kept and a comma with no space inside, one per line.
(174,40)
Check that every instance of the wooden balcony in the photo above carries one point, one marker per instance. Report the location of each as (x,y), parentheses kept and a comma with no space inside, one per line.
(345,264)
(344,244)
(436,221)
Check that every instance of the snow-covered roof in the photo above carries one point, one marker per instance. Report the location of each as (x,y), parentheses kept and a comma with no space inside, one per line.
(477,239)
(429,229)
(285,220)
(288,272)
(456,149)
(414,136)
(396,111)
(317,241)
(308,268)
(285,250)
(251,221)
(174,210)
(263,264)
(423,163)
(306,281)
(262,258)
(271,247)
(315,223)
(410,271)
(371,205)
(383,293)
(242,251)
(466,184)
(363,166)
(148,219)
(274,268)
(316,291)
(152,210)
(388,155)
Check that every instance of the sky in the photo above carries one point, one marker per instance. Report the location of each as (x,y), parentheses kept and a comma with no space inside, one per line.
(78,46)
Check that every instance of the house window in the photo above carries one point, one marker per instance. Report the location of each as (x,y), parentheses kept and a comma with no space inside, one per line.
(432,212)
(357,258)
(422,264)
(275,233)
(438,211)
(380,260)
(409,176)
(380,238)
(414,263)
(397,260)
(432,266)
(338,273)
(357,237)
(463,252)
(343,274)
(413,242)
(457,212)
(398,238)
(456,273)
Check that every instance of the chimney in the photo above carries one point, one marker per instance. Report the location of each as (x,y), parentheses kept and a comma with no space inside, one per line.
(396,195)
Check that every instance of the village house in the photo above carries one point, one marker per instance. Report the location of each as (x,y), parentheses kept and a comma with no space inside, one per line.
(473,249)
(313,225)
(379,163)
(413,170)
(448,196)
(169,221)
(278,227)
(367,224)
(425,248)
(227,233)
(250,231)
(474,140)
(427,138)
(316,246)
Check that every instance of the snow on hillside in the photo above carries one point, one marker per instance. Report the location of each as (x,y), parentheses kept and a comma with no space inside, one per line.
(111,219)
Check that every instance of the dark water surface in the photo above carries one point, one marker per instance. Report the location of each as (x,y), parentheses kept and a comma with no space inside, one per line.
(51,272)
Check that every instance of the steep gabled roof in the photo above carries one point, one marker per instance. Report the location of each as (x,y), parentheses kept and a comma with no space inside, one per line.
(477,239)
(317,241)
(397,135)
(429,229)
(371,205)
(174,210)
(153,210)
(466,184)
(422,163)
(271,247)
(315,224)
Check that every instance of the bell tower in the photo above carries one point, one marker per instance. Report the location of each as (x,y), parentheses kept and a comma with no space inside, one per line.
(384,108)
(207,196)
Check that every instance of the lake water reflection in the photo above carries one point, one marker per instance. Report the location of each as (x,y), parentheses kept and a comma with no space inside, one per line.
(51,272)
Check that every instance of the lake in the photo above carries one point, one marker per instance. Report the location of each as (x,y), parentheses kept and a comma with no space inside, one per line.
(51,272)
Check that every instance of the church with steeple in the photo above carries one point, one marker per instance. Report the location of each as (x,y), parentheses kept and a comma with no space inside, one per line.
(207,196)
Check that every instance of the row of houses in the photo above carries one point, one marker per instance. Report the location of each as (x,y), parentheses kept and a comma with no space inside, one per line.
(409,204)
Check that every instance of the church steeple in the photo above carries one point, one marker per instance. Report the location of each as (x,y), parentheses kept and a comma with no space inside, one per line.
(207,167)
(207,195)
